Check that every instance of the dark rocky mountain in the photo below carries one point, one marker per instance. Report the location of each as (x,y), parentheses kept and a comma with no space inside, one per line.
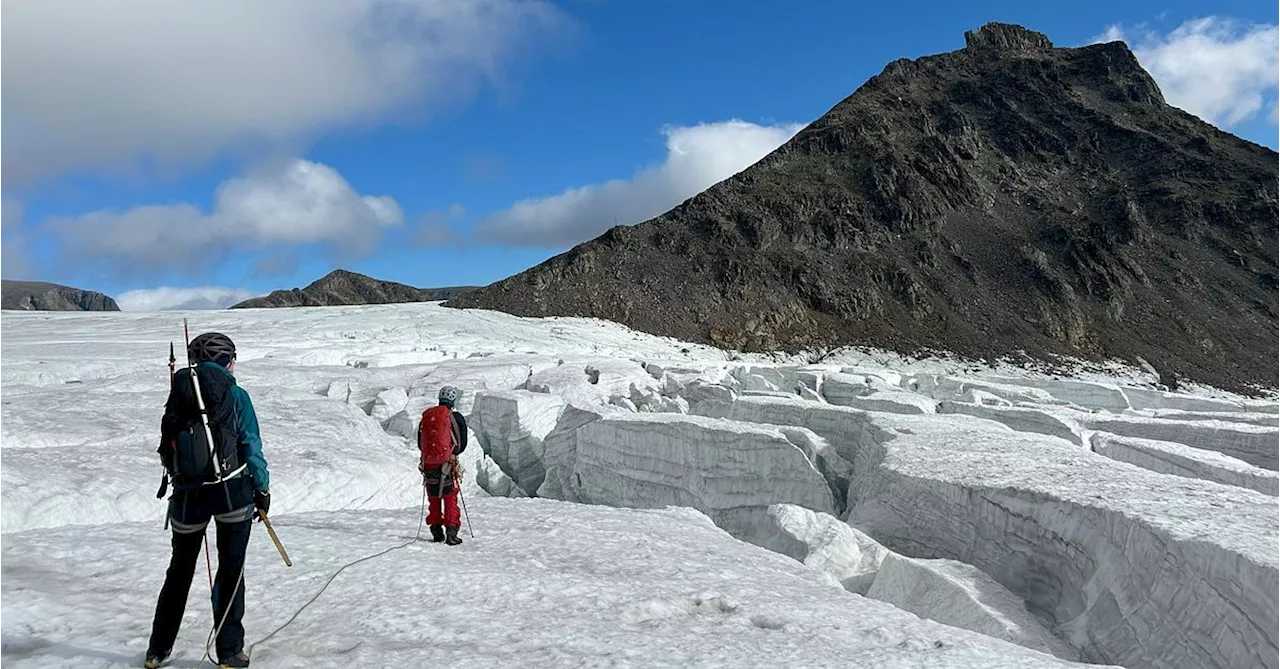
(1009,198)
(43,296)
(341,287)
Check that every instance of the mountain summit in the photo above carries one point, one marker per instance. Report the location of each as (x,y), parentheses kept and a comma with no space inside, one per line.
(1007,198)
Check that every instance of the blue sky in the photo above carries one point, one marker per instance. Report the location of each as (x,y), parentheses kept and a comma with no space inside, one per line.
(210,151)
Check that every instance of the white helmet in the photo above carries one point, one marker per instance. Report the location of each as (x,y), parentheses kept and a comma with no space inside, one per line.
(449,395)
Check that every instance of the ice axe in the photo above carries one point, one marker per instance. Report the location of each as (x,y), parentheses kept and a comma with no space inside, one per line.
(275,539)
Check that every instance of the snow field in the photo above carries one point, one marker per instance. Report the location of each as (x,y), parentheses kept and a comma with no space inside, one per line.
(1002,521)
(544,583)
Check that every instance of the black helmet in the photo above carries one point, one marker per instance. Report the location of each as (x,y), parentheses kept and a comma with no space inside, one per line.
(212,347)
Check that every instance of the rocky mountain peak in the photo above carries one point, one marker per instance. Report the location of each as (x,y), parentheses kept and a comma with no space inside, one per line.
(1010,198)
(1006,38)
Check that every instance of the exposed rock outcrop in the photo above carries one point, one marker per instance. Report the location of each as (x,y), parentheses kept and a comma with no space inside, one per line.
(42,296)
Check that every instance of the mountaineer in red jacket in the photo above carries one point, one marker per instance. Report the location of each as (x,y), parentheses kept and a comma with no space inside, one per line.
(442,435)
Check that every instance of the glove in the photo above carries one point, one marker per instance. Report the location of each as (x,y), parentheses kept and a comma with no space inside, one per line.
(262,500)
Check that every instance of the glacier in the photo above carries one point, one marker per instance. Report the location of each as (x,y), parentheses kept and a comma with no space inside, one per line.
(748,508)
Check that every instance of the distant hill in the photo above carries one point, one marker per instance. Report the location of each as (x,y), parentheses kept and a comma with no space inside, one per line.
(1008,198)
(44,296)
(341,287)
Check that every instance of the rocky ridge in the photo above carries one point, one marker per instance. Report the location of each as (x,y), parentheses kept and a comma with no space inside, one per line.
(342,287)
(44,296)
(1010,199)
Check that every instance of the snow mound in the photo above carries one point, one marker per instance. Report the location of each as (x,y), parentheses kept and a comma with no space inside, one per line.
(1134,567)
(1168,457)
(543,583)
(587,381)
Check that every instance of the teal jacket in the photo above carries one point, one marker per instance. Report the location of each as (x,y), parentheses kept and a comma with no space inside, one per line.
(247,431)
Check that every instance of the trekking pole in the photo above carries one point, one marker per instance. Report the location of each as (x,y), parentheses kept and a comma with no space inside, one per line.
(164,476)
(274,539)
(457,482)
(464,512)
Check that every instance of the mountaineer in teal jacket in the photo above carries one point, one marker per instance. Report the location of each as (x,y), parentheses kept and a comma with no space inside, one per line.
(227,492)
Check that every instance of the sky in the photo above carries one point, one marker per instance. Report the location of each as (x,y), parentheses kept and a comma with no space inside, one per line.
(190,155)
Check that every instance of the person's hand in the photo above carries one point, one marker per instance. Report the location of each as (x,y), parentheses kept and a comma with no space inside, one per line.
(262,500)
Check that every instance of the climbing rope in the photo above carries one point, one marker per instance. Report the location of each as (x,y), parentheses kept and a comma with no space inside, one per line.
(341,569)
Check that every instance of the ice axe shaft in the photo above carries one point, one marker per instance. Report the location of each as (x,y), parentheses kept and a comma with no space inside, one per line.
(275,539)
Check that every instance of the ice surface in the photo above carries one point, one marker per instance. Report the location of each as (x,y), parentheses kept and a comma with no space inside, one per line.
(1250,417)
(821,541)
(1168,457)
(388,403)
(510,425)
(947,591)
(543,583)
(957,594)
(1142,398)
(730,471)
(941,387)
(1080,393)
(1142,561)
(1023,419)
(1258,445)
(892,401)
(1134,567)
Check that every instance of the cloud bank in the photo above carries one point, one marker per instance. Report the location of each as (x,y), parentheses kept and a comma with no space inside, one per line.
(280,205)
(697,158)
(167,298)
(163,83)
(14,263)
(1218,69)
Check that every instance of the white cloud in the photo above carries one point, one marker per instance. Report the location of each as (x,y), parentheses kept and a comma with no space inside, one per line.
(14,263)
(168,298)
(1215,68)
(97,84)
(297,202)
(697,158)
(439,227)
(10,214)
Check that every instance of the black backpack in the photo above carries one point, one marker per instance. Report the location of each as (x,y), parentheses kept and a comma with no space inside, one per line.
(184,448)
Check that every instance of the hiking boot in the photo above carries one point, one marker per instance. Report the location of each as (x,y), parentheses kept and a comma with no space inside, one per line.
(237,660)
(154,659)
(437,533)
(452,539)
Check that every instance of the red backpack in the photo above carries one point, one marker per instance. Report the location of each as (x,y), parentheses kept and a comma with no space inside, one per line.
(436,435)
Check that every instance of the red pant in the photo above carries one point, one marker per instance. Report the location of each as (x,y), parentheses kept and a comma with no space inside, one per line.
(451,517)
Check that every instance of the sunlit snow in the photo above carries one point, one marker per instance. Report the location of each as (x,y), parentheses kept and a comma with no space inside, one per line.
(639,501)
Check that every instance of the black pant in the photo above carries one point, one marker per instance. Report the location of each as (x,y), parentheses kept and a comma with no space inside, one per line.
(190,512)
